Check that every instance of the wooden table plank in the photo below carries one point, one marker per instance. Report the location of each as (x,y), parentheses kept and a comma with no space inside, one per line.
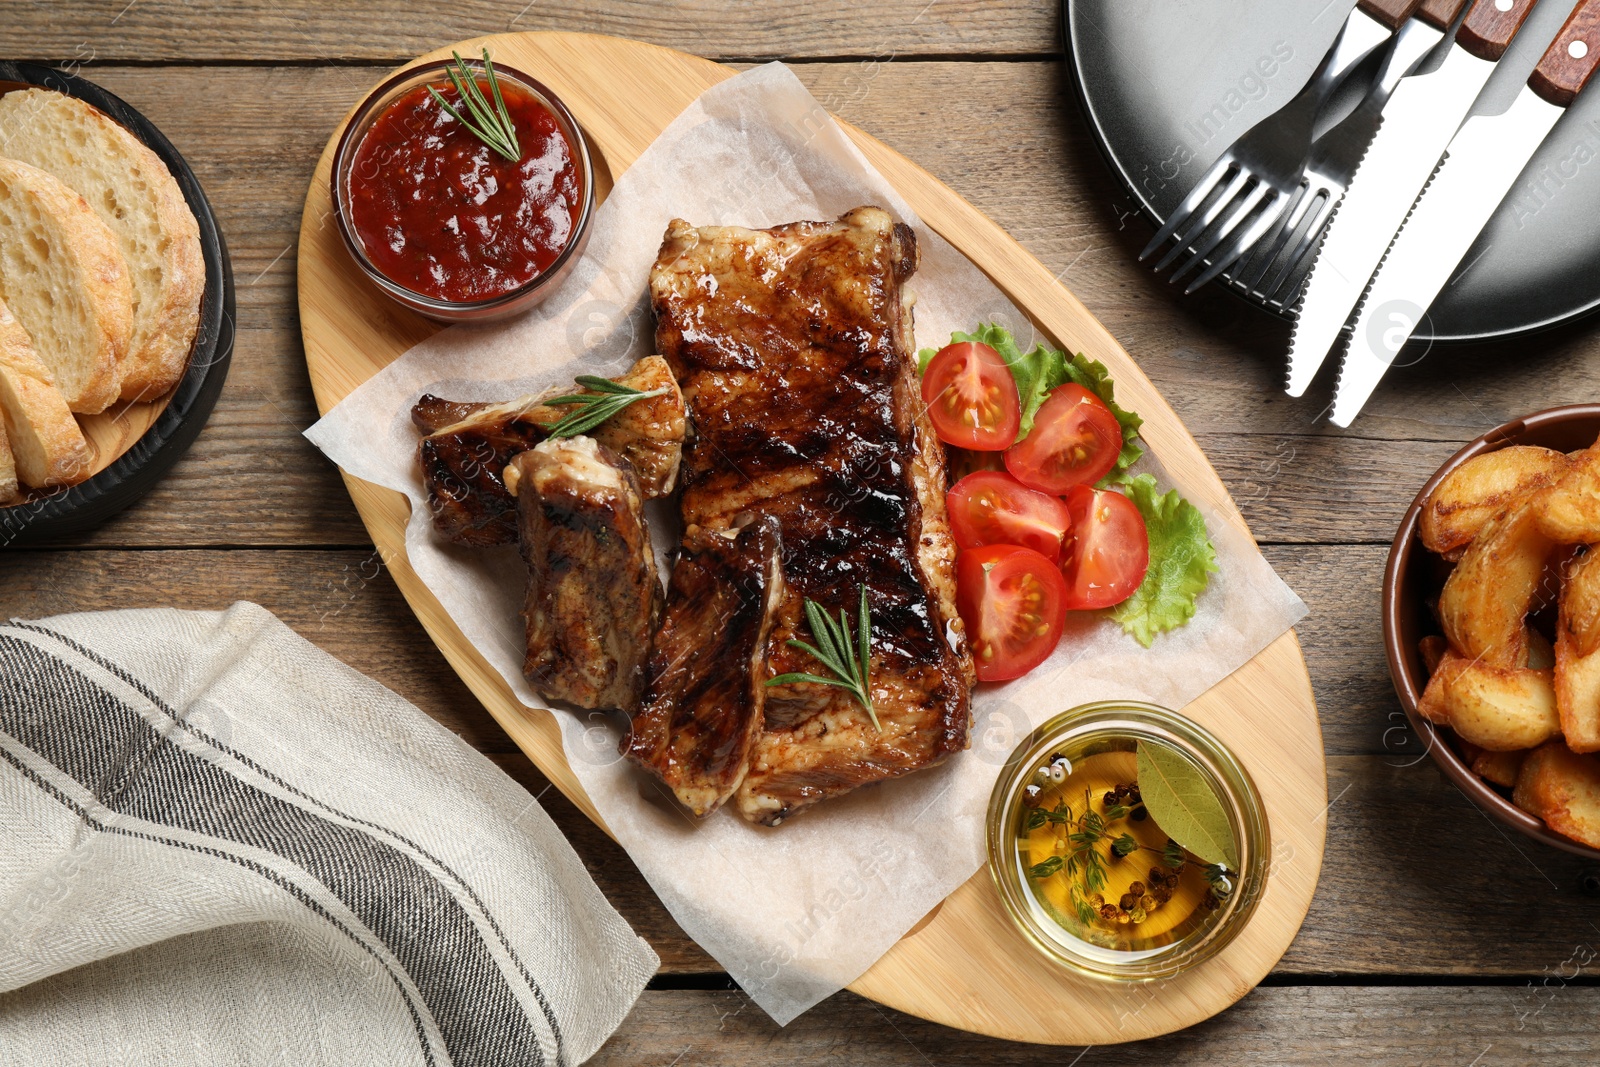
(387,31)
(1406,852)
(1416,882)
(1481,1026)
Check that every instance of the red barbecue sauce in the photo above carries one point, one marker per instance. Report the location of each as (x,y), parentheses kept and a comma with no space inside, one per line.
(443,214)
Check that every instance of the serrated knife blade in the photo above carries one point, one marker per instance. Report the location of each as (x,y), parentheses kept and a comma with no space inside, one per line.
(1479,168)
(1422,116)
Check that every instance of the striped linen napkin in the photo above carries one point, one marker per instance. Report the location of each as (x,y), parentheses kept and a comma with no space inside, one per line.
(220,845)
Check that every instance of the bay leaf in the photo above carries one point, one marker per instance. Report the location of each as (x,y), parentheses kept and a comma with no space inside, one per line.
(1182,802)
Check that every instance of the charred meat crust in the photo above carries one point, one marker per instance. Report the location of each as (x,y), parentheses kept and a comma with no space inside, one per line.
(792,346)
(594,597)
(706,686)
(468,444)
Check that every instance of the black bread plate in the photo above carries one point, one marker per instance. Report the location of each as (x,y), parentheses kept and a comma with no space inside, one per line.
(49,516)
(1166,85)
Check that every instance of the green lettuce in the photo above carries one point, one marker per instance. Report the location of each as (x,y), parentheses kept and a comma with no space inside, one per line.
(1040,370)
(1182,560)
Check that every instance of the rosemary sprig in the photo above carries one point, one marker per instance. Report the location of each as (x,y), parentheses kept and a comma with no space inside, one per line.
(604,399)
(834,648)
(491,125)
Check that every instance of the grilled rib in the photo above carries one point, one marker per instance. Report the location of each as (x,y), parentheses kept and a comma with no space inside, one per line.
(703,702)
(468,445)
(793,348)
(594,598)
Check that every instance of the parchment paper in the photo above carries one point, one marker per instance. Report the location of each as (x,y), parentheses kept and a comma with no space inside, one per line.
(796,912)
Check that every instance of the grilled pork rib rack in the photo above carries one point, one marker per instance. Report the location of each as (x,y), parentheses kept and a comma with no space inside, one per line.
(793,349)
(467,445)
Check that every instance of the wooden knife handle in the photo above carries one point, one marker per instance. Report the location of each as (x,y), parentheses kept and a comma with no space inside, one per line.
(1490,25)
(1567,66)
(1389,12)
(1440,13)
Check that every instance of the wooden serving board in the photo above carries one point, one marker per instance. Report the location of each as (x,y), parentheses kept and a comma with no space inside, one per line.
(964,964)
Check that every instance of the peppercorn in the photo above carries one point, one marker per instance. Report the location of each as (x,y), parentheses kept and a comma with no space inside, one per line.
(1149,903)
(1122,917)
(1137,889)
(1128,901)
(1162,893)
(1032,796)
(1138,915)
(1140,814)
(1109,912)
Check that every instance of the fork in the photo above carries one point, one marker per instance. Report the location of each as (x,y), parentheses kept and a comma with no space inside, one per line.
(1266,164)
(1334,158)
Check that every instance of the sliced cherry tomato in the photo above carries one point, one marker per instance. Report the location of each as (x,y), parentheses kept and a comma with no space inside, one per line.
(1109,550)
(1075,440)
(972,397)
(993,508)
(1011,600)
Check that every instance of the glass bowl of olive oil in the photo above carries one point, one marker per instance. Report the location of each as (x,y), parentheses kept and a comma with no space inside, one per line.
(1127,842)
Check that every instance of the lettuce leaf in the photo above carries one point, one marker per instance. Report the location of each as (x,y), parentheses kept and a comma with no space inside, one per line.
(1040,370)
(1182,560)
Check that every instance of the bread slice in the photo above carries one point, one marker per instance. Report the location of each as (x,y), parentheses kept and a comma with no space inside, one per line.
(48,446)
(134,193)
(10,491)
(65,280)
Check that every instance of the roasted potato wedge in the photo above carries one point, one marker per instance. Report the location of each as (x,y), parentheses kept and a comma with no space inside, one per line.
(1577,659)
(1562,788)
(1580,603)
(1432,649)
(1570,508)
(1496,708)
(1481,488)
(1486,599)
(1501,768)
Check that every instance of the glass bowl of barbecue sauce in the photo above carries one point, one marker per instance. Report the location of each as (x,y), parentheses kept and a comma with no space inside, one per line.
(1128,844)
(442,221)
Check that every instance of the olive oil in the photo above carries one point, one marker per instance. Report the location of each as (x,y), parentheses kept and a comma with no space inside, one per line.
(1097,865)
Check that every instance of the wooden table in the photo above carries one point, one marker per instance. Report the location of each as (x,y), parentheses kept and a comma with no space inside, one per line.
(1435,936)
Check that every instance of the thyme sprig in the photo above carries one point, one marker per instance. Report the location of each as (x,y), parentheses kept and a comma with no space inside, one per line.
(491,125)
(1086,865)
(604,399)
(849,660)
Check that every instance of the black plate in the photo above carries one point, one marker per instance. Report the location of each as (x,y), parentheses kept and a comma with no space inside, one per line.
(1166,85)
(80,507)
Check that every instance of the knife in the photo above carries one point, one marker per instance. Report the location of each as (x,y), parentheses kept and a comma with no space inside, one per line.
(1479,169)
(1422,116)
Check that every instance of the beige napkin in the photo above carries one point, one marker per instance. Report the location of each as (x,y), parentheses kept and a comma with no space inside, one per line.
(220,845)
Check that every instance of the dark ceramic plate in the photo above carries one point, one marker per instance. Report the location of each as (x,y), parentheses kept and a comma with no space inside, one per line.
(68,511)
(1166,85)
(1414,576)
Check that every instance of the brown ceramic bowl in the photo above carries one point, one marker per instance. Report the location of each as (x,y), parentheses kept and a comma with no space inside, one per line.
(1414,576)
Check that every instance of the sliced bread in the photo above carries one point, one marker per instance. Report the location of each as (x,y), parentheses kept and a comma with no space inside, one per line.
(65,280)
(46,442)
(134,193)
(10,491)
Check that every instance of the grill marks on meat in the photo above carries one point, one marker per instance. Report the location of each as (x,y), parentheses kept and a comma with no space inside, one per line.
(702,711)
(594,598)
(468,445)
(793,348)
